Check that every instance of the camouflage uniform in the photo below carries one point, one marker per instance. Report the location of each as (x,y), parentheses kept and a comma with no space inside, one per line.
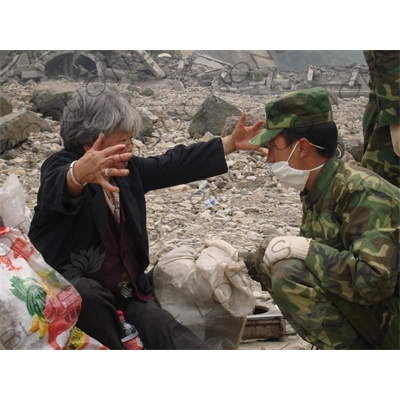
(344,294)
(382,111)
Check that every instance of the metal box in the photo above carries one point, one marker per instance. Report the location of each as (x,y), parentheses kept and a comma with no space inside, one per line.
(267,322)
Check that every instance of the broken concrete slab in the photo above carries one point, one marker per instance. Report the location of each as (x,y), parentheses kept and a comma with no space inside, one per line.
(51,97)
(208,62)
(16,127)
(36,75)
(149,63)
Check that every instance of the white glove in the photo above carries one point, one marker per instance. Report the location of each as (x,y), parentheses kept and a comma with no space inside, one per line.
(225,246)
(283,247)
(395,134)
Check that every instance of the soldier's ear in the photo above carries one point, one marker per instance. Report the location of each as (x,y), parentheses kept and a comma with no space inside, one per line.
(304,146)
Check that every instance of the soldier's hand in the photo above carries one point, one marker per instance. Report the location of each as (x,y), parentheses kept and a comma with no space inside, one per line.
(284,247)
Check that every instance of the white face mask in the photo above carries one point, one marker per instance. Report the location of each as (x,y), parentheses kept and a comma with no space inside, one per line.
(295,178)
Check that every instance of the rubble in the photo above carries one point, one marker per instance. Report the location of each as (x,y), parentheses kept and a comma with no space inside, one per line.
(252,72)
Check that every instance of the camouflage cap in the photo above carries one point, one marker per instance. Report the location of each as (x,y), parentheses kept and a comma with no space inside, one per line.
(297,109)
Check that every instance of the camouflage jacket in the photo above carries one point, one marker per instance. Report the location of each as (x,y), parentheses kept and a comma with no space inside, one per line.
(353,216)
(384,84)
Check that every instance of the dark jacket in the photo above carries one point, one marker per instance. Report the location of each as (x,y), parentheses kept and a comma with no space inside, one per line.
(69,236)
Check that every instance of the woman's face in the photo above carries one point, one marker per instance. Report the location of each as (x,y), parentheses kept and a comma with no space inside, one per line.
(120,137)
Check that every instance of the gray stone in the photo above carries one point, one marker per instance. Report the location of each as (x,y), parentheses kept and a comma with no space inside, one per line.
(211,116)
(283,83)
(5,105)
(23,61)
(14,72)
(36,75)
(16,127)
(147,91)
(355,147)
(230,122)
(147,127)
(304,85)
(40,67)
(134,88)
(51,97)
(126,79)
(177,85)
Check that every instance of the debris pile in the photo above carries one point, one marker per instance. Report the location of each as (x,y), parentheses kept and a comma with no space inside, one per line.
(253,74)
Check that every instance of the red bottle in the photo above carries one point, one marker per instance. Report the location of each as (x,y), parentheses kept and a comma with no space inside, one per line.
(130,336)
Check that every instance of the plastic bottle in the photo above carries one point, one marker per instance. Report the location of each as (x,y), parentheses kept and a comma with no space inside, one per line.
(210,202)
(130,336)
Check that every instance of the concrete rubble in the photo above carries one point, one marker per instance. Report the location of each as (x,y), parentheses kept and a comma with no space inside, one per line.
(249,199)
(254,74)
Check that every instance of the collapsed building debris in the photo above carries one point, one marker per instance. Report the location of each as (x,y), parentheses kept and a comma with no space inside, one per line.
(253,73)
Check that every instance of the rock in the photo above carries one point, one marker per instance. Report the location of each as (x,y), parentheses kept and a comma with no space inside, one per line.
(35,75)
(23,61)
(251,118)
(304,85)
(212,115)
(5,105)
(16,127)
(51,97)
(177,85)
(355,147)
(147,126)
(147,92)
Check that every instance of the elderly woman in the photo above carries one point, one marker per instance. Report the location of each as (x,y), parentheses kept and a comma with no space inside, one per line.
(90,219)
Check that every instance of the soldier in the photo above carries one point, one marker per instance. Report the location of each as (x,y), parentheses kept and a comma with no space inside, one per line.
(338,282)
(381,121)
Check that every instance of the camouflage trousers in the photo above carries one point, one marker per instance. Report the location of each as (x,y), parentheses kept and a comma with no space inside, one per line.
(321,319)
(379,155)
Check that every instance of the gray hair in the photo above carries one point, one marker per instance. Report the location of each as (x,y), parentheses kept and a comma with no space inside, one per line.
(96,108)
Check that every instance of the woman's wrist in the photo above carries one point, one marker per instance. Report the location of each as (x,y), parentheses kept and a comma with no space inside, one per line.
(72,175)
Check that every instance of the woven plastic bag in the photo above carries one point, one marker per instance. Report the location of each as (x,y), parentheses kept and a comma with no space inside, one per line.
(38,306)
(208,291)
(13,209)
